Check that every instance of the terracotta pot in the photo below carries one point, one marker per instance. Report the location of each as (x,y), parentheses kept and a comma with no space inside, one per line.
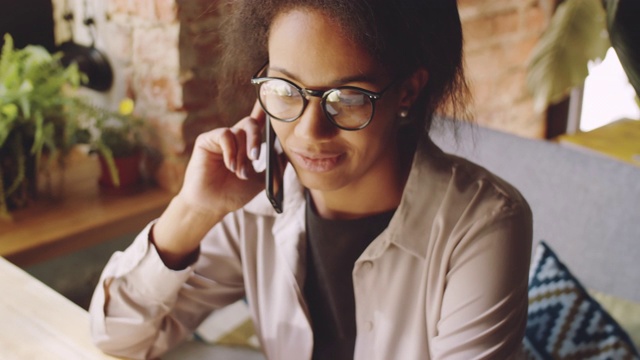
(128,172)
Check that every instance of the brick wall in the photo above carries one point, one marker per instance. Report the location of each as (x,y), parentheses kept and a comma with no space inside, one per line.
(499,37)
(166,52)
(142,41)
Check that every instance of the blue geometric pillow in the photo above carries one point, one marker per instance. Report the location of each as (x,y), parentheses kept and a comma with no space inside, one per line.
(564,322)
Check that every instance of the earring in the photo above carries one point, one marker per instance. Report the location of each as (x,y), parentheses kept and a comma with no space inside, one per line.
(403,113)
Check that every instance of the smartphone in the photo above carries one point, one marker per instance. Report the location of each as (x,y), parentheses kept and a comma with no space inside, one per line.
(275,168)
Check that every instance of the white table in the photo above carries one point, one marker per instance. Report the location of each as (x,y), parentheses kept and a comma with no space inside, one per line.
(38,323)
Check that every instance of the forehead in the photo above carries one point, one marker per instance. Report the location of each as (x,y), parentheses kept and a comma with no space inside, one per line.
(317,50)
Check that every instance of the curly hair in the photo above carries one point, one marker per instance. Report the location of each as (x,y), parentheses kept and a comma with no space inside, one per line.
(402,35)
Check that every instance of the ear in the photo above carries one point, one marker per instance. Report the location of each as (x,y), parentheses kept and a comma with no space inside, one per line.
(412,86)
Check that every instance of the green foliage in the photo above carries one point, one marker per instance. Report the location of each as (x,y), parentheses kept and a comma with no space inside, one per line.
(35,94)
(41,114)
(576,34)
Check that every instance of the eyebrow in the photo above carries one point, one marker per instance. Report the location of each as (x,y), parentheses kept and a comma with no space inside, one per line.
(365,78)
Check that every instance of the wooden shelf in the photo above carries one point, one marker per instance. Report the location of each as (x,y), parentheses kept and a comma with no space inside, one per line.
(84,215)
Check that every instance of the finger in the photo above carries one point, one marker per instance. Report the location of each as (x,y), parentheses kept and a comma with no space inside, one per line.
(254,126)
(254,132)
(241,159)
(257,113)
(229,149)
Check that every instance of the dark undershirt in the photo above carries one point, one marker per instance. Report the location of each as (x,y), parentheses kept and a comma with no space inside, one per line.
(333,248)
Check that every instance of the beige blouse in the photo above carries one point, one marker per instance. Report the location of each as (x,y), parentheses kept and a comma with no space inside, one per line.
(446,280)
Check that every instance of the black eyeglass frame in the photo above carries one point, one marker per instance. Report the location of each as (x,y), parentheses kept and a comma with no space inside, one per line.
(305,92)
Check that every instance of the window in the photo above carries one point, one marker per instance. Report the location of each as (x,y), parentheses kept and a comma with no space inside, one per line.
(608,96)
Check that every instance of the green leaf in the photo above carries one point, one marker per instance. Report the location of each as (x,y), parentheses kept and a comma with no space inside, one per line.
(9,110)
(6,56)
(107,154)
(38,136)
(624,29)
(576,34)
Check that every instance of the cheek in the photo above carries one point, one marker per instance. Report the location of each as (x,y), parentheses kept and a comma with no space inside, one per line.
(380,136)
(282,129)
(371,143)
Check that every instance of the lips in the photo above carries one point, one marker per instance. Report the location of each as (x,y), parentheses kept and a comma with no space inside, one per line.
(316,161)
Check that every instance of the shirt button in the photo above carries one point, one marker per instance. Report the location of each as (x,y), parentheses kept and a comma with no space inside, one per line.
(368,325)
(367,265)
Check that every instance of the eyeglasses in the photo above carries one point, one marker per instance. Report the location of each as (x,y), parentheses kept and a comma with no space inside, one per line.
(347,107)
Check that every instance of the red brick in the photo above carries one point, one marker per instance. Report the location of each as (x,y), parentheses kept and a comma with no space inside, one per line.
(121,7)
(510,87)
(119,42)
(535,20)
(145,9)
(492,27)
(166,11)
(517,53)
(486,63)
(156,48)
(160,93)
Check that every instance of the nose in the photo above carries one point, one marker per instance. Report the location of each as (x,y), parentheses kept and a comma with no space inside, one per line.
(313,124)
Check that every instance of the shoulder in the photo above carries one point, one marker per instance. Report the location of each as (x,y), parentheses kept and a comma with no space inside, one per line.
(452,200)
(458,183)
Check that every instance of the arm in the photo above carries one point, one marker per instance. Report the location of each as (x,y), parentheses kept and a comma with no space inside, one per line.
(484,309)
(141,308)
(152,295)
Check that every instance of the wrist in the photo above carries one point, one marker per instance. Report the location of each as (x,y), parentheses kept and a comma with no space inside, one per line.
(179,230)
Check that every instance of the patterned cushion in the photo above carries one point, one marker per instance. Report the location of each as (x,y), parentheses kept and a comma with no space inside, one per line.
(564,321)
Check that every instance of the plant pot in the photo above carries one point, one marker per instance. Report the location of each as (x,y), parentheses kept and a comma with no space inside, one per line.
(128,172)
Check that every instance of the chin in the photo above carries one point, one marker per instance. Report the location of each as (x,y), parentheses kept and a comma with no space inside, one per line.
(326,181)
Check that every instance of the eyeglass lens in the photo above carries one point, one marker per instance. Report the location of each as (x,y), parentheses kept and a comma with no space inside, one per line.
(348,108)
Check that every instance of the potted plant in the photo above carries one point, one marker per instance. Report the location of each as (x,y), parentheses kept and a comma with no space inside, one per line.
(116,136)
(36,98)
(581,31)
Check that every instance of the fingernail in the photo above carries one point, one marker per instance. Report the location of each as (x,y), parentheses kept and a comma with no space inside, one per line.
(232,166)
(243,173)
(255,153)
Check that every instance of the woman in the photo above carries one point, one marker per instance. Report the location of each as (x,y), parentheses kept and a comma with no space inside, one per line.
(387,248)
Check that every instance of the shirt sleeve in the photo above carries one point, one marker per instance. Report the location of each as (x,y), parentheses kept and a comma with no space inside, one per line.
(484,308)
(140,308)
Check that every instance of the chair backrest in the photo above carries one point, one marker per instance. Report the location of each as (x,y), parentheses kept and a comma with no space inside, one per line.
(585,206)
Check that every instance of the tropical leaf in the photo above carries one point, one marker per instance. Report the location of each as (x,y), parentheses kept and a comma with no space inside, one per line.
(576,34)
(624,31)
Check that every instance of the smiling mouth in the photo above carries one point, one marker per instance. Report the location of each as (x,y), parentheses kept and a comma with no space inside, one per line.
(317,162)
